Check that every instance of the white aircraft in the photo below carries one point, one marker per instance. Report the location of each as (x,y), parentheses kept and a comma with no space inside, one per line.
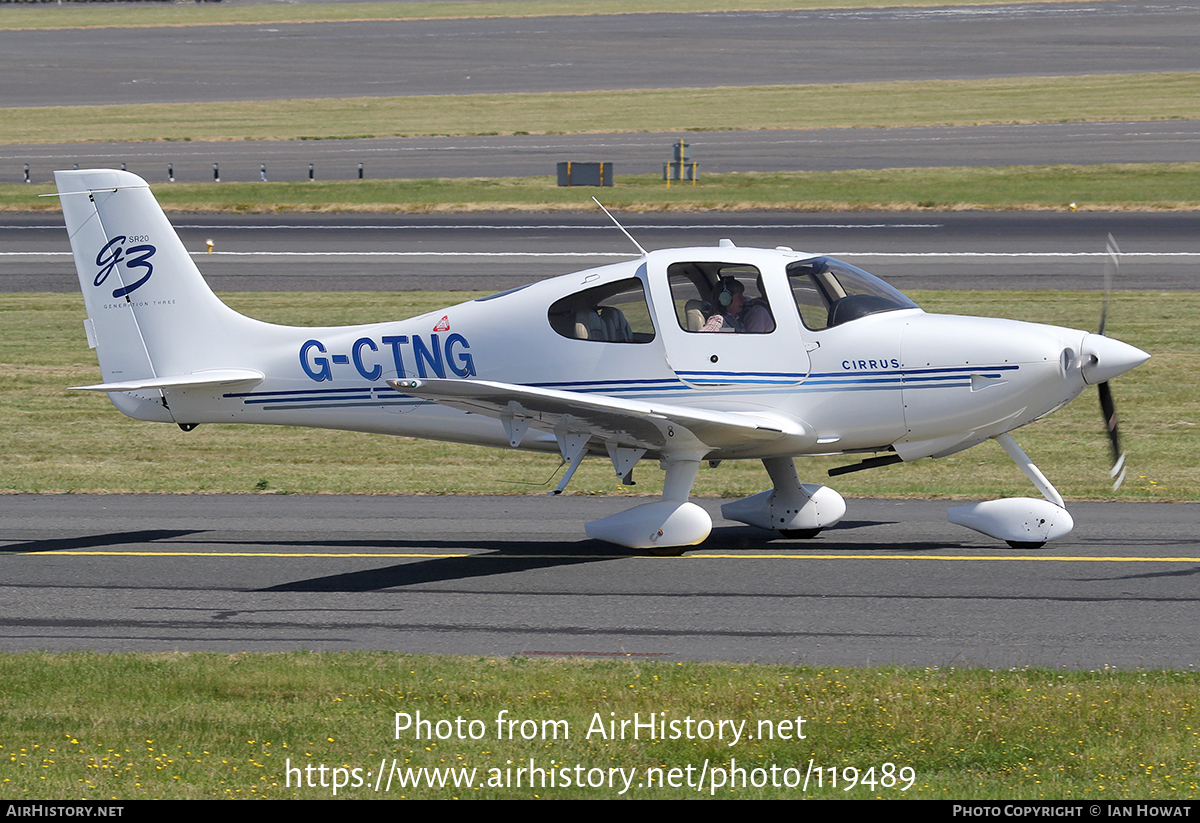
(681,355)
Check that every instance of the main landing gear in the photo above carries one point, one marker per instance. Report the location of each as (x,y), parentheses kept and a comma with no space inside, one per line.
(794,509)
(664,528)
(667,527)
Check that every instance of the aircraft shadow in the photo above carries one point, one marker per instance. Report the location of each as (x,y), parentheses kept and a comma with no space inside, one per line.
(96,541)
(522,556)
(839,538)
(489,556)
(445,569)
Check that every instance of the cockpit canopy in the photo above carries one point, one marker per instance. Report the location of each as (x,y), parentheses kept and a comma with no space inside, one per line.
(714,296)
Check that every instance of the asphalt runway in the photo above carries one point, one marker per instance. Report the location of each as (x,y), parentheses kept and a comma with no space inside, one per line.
(894,584)
(913,250)
(543,54)
(1170,141)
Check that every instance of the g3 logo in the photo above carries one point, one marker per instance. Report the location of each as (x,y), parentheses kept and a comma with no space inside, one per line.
(112,253)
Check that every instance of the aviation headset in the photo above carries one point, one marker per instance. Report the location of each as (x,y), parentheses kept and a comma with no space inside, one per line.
(724,293)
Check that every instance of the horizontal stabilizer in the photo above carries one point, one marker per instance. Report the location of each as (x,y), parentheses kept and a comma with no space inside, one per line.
(659,426)
(211,377)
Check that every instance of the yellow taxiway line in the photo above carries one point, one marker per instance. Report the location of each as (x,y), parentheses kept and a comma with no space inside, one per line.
(433,555)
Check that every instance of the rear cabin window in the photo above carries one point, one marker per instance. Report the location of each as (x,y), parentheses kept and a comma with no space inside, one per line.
(612,313)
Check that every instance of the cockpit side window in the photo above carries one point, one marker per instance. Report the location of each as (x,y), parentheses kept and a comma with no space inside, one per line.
(612,313)
(720,297)
(829,292)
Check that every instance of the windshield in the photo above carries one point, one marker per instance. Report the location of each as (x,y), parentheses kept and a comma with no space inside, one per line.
(829,292)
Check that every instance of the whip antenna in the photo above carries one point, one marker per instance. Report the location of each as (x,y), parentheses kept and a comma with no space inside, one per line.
(622,228)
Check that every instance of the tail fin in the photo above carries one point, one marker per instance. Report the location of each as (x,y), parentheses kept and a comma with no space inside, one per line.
(152,319)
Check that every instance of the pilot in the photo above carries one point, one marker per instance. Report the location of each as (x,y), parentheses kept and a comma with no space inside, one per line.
(728,300)
(735,313)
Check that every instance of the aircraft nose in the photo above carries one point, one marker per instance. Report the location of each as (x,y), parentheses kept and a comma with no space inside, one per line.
(1103,358)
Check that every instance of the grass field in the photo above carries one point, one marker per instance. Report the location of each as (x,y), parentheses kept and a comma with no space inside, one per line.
(1160,96)
(61,441)
(228,726)
(1106,187)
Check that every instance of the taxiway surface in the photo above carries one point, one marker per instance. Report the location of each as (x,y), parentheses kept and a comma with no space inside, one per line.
(893,584)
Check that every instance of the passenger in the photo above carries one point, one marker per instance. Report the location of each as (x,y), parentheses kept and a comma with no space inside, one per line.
(756,317)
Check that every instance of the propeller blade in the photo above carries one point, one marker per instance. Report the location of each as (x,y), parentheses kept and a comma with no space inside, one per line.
(1107,407)
(1111,265)
(1109,410)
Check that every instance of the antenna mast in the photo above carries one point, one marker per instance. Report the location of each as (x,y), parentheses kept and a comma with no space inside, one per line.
(622,228)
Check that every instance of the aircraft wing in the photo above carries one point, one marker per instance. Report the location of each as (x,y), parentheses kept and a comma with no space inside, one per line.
(634,423)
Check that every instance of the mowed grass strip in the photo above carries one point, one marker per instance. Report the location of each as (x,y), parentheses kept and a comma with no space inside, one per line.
(56,440)
(207,726)
(74,15)
(1157,96)
(1108,187)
